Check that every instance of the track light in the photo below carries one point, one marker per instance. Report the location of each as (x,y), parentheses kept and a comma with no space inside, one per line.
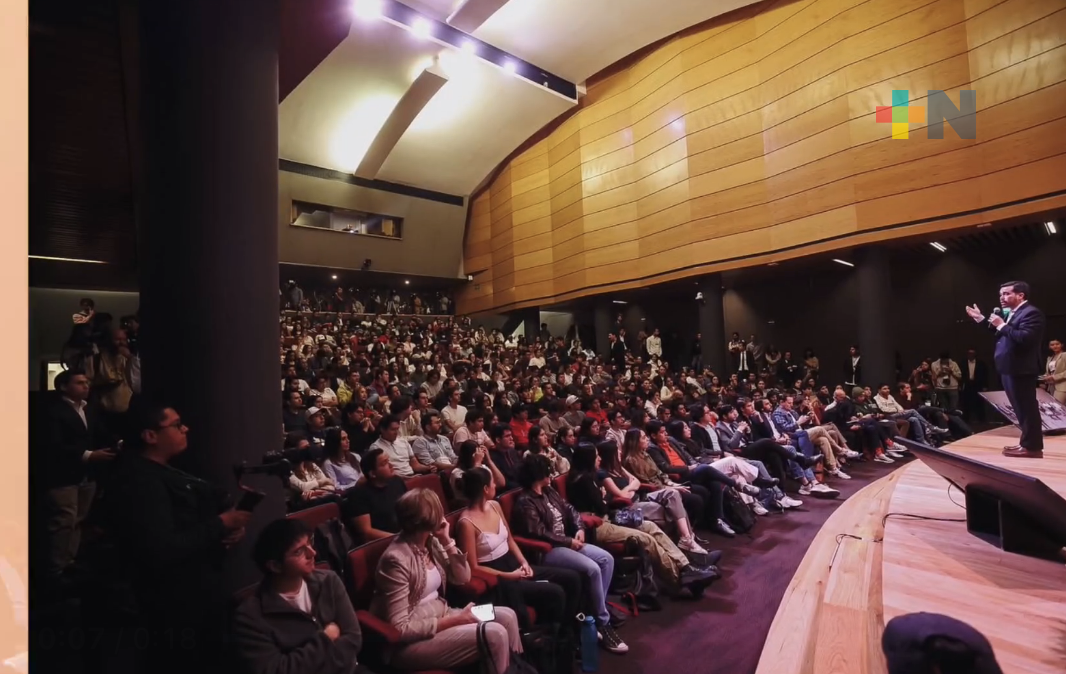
(939,246)
(843,262)
(1050,227)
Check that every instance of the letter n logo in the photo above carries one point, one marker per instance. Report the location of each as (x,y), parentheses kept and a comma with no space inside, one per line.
(963,118)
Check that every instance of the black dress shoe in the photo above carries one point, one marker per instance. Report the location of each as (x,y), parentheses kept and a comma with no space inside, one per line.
(810,461)
(713,557)
(766,482)
(1023,453)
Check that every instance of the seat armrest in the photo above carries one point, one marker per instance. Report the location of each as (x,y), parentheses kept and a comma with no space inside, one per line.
(489,580)
(619,503)
(530,545)
(378,627)
(591,521)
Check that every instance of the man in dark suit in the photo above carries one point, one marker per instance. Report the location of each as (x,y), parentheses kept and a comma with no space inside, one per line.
(1019,340)
(72,438)
(974,380)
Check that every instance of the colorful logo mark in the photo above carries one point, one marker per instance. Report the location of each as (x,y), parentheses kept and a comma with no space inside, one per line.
(900,114)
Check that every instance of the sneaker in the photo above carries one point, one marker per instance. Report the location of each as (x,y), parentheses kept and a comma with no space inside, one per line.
(839,473)
(697,577)
(823,490)
(893,453)
(690,545)
(758,509)
(750,490)
(789,502)
(941,431)
(724,529)
(852,455)
(805,490)
(881,458)
(612,643)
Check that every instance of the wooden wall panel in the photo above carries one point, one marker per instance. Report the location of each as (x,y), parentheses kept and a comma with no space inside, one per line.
(756,133)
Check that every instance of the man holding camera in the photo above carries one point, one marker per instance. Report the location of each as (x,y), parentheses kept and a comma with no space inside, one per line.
(946,377)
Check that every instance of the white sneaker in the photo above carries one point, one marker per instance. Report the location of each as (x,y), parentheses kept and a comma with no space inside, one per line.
(839,473)
(893,453)
(789,502)
(805,490)
(852,455)
(758,509)
(690,545)
(824,489)
(881,458)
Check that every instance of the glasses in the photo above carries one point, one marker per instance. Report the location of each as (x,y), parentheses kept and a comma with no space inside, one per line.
(175,424)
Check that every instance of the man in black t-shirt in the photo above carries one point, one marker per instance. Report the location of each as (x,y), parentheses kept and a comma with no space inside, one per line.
(370,506)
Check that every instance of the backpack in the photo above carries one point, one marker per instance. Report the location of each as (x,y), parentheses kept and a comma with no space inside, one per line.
(737,513)
(332,543)
(634,577)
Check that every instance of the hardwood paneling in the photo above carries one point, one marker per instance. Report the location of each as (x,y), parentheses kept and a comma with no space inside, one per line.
(755,135)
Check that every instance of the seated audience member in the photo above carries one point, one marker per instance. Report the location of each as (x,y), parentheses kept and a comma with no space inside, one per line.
(553,421)
(316,424)
(888,406)
(541,514)
(398,449)
(432,448)
(887,428)
(341,466)
(360,425)
(762,427)
(471,456)
(574,414)
(791,424)
(299,620)
(504,455)
(485,537)
(473,429)
(410,422)
(173,531)
(453,413)
(664,505)
(864,432)
(585,491)
(616,430)
(308,482)
(539,443)
(370,506)
(637,461)
(520,426)
(409,591)
(565,440)
(293,417)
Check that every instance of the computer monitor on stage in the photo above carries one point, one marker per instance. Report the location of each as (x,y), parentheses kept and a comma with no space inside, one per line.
(1013,511)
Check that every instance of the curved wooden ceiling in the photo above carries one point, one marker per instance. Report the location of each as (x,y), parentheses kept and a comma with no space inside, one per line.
(756,136)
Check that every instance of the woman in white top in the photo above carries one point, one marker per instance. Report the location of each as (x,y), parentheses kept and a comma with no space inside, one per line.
(482,533)
(322,389)
(307,480)
(341,466)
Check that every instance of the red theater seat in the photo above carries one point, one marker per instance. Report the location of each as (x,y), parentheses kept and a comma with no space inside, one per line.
(530,547)
(319,514)
(430,481)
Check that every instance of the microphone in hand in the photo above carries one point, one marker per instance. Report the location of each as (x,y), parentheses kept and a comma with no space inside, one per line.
(996,318)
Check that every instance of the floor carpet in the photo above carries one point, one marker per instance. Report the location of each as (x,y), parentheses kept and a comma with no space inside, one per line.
(724,631)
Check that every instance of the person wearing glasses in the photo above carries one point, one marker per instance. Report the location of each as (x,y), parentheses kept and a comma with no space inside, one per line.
(299,619)
(173,530)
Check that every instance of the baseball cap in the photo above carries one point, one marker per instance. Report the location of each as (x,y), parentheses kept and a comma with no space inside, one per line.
(312,411)
(570,400)
(907,645)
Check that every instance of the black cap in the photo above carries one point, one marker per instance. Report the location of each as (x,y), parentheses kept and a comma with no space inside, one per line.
(917,642)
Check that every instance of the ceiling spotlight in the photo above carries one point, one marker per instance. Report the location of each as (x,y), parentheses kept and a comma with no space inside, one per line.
(771,264)
(469,277)
(421,28)
(334,277)
(618,302)
(469,46)
(939,246)
(368,9)
(1050,227)
(510,66)
(843,262)
(984,224)
(406,282)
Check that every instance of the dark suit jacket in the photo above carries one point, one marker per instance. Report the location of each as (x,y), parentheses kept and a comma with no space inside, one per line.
(980,375)
(1020,342)
(853,373)
(64,439)
(760,428)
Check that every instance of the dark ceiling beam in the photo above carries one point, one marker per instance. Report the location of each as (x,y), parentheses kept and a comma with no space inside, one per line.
(310,31)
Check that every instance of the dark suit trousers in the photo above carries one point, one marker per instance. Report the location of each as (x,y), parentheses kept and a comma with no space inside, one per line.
(1021,392)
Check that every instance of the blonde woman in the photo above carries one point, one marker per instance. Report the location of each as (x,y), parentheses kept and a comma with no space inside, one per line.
(409,595)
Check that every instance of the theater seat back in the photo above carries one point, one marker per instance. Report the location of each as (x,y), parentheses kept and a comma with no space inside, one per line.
(559,484)
(320,514)
(362,567)
(430,481)
(507,503)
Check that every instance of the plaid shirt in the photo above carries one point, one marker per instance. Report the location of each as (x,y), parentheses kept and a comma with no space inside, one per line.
(785,421)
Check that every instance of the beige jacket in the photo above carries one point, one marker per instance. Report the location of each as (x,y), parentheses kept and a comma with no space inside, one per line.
(1059,377)
(401,582)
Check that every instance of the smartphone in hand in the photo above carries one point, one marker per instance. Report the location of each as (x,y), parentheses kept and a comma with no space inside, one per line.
(484,612)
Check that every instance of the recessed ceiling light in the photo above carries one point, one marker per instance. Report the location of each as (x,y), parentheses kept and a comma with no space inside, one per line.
(469,46)
(510,66)
(334,277)
(984,224)
(368,9)
(843,262)
(939,246)
(406,282)
(1050,227)
(421,28)
(618,302)
(771,264)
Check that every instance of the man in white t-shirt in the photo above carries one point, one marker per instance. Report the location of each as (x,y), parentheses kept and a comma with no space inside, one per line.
(401,455)
(454,414)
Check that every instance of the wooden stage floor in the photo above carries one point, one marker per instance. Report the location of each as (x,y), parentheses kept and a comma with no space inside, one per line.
(858,574)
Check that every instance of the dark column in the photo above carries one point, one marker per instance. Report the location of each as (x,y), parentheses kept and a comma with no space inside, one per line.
(875,293)
(602,322)
(208,78)
(531,323)
(712,324)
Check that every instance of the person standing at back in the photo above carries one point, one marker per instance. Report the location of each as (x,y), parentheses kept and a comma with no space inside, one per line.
(1019,336)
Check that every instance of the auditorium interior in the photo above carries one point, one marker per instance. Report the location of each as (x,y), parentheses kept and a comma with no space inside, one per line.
(721,250)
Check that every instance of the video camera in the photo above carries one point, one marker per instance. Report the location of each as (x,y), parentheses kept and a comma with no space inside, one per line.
(274,463)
